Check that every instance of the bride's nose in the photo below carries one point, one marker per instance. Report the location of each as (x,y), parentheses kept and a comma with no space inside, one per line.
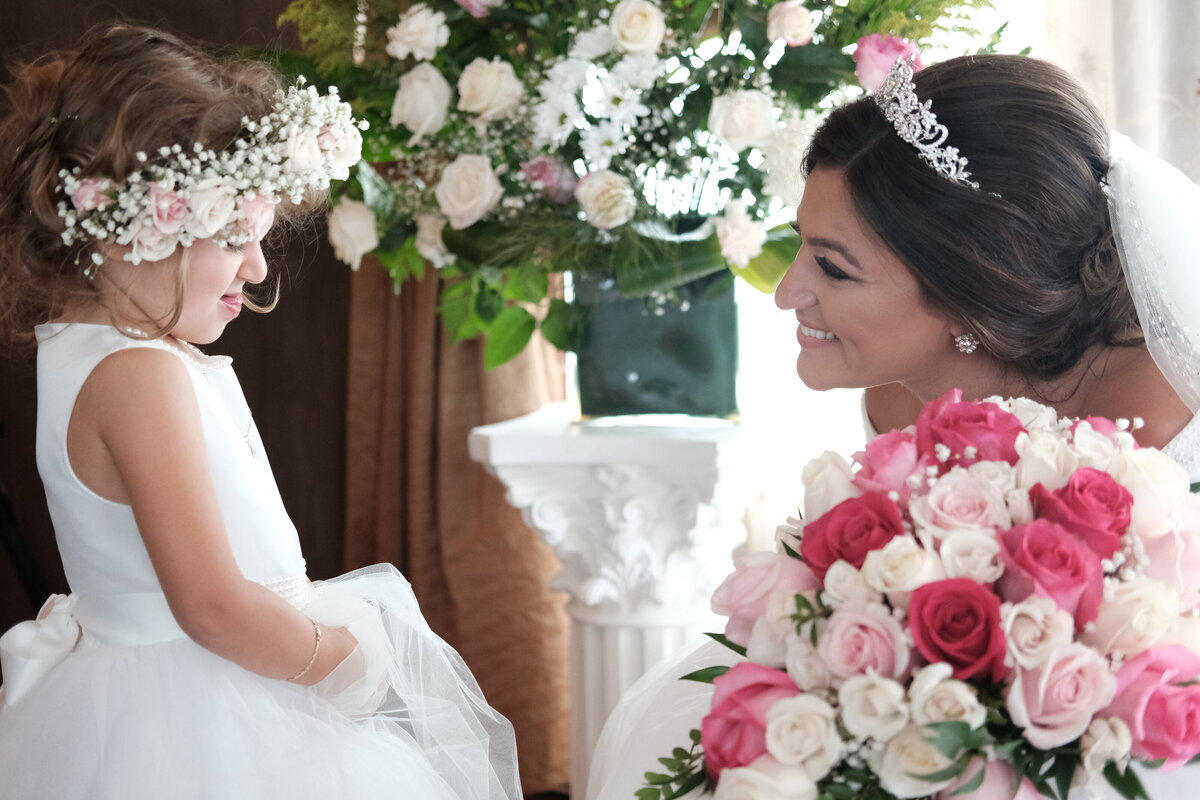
(793,292)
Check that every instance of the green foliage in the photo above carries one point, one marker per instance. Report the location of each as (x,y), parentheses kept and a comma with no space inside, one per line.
(721,638)
(685,772)
(707,675)
(507,335)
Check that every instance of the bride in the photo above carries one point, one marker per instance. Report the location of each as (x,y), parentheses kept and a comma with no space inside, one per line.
(1001,242)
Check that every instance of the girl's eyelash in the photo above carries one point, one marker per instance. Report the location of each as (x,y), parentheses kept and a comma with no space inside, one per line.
(235,248)
(830,270)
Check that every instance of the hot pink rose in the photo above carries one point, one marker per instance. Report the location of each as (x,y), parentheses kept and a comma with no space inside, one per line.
(256,214)
(860,637)
(958,621)
(743,595)
(557,180)
(1043,559)
(170,208)
(849,531)
(888,461)
(734,732)
(999,783)
(1054,702)
(1163,716)
(1092,506)
(875,55)
(479,8)
(91,193)
(972,431)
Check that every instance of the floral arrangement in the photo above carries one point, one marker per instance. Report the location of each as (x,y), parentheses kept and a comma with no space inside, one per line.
(995,603)
(182,193)
(640,141)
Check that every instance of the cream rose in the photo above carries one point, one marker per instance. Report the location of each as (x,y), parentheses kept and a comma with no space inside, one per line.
(352,231)
(972,554)
(467,190)
(959,501)
(419,33)
(1020,507)
(1158,483)
(802,732)
(1092,449)
(790,21)
(873,707)
(935,697)
(1035,628)
(607,199)
(1134,616)
(429,240)
(845,584)
(744,118)
(1107,739)
(1045,458)
(303,153)
(1184,631)
(421,102)
(804,665)
(907,755)
(490,89)
(998,473)
(638,26)
(827,481)
(211,204)
(899,567)
(765,779)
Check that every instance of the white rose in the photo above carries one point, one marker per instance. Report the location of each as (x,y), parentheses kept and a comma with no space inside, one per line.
(741,238)
(1134,616)
(765,779)
(607,199)
(907,755)
(960,500)
(211,205)
(935,697)
(873,706)
(429,240)
(1044,457)
(467,190)
(768,637)
(638,26)
(420,32)
(1156,482)
(1184,631)
(1020,506)
(998,473)
(151,244)
(901,566)
(345,153)
(303,153)
(1032,414)
(804,665)
(845,584)
(802,731)
(490,89)
(1106,740)
(789,534)
(744,118)
(972,554)
(827,481)
(1034,628)
(1092,449)
(790,21)
(422,102)
(352,231)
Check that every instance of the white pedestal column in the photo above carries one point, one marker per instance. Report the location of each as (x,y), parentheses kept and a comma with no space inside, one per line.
(644,519)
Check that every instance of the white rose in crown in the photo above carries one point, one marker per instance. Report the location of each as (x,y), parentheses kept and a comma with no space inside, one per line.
(827,481)
(352,231)
(607,199)
(1134,616)
(765,779)
(211,203)
(899,567)
(638,26)
(490,89)
(906,755)
(1035,628)
(468,190)
(873,706)
(429,241)
(1045,458)
(151,244)
(302,152)
(740,237)
(802,732)
(972,554)
(419,33)
(744,118)
(421,102)
(790,21)
(936,697)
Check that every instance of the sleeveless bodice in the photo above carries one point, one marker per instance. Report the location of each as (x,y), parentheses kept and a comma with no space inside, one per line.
(106,564)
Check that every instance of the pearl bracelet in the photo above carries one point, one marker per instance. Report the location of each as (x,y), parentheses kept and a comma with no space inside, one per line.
(313,659)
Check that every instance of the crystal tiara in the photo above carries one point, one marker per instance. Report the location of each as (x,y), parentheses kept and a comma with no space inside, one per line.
(917,125)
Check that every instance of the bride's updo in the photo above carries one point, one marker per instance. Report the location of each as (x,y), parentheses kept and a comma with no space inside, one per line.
(1027,261)
(126,89)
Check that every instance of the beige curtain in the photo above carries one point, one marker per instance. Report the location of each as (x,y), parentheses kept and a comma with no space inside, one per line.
(414,499)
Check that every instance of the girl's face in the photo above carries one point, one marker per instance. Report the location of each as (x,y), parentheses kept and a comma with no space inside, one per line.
(862,319)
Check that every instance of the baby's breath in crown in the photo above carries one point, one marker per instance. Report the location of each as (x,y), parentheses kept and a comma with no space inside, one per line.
(180,195)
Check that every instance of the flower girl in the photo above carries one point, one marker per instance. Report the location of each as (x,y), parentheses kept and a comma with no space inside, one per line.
(194,658)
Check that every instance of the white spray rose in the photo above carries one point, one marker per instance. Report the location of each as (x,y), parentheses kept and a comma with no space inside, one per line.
(873,706)
(802,731)
(352,231)
(429,240)
(607,199)
(421,102)
(790,21)
(744,118)
(467,190)
(211,204)
(827,481)
(151,244)
(490,89)
(907,755)
(765,779)
(972,554)
(901,566)
(741,238)
(419,33)
(1134,616)
(936,697)
(1020,506)
(845,584)
(638,26)
(1034,628)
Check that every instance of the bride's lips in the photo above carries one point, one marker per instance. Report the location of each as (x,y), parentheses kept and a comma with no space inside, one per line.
(233,302)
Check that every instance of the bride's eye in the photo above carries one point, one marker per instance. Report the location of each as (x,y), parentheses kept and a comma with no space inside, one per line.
(830,270)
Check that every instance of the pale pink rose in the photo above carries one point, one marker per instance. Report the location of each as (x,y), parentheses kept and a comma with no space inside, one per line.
(345,153)
(551,177)
(151,244)
(90,194)
(1160,710)
(1174,557)
(790,21)
(959,501)
(999,783)
(888,461)
(744,595)
(479,8)
(875,55)
(170,208)
(860,636)
(256,214)
(1054,703)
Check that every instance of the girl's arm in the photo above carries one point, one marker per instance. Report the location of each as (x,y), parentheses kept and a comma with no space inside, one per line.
(139,413)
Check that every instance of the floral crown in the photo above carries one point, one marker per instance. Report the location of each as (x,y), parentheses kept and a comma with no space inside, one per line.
(918,125)
(181,195)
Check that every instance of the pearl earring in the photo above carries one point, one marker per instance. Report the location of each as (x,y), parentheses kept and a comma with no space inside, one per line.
(966,342)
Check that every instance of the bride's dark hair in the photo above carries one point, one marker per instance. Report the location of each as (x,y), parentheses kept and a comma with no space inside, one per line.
(1027,261)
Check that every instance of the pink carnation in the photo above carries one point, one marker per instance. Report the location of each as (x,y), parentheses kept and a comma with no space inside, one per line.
(875,55)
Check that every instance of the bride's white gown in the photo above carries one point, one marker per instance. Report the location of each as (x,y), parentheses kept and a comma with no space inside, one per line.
(657,713)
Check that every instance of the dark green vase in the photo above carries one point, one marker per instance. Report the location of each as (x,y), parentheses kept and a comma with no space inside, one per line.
(638,358)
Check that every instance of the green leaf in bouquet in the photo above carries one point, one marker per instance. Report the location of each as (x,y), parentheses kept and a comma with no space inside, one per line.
(653,259)
(672,764)
(1125,782)
(526,284)
(687,785)
(1065,765)
(457,302)
(840,791)
(721,638)
(753,27)
(681,754)
(706,675)
(950,772)
(563,325)
(648,793)
(954,736)
(807,74)
(507,335)
(766,270)
(657,778)
(973,784)
(694,735)
(487,303)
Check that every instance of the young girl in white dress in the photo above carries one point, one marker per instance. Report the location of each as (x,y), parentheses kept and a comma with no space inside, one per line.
(194,658)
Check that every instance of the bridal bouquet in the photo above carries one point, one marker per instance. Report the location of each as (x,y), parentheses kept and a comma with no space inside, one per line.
(995,602)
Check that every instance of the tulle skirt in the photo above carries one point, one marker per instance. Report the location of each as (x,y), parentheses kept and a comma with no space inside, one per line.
(402,717)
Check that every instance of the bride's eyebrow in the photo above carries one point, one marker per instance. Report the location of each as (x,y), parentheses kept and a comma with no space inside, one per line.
(829,244)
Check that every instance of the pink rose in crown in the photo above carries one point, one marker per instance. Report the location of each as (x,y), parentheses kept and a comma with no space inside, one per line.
(554,178)
(479,8)
(887,462)
(256,214)
(91,193)
(1044,559)
(971,431)
(734,732)
(957,621)
(170,208)
(744,594)
(1162,714)
(1092,506)
(849,531)
(875,55)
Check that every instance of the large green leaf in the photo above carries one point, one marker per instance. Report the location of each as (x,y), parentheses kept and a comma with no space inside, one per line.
(563,325)
(507,335)
(643,264)
(766,270)
(526,284)
(457,303)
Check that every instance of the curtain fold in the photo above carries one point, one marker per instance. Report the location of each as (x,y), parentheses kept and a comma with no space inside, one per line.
(415,499)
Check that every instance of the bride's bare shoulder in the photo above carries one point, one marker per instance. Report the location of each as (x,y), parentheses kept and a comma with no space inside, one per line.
(1130,386)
